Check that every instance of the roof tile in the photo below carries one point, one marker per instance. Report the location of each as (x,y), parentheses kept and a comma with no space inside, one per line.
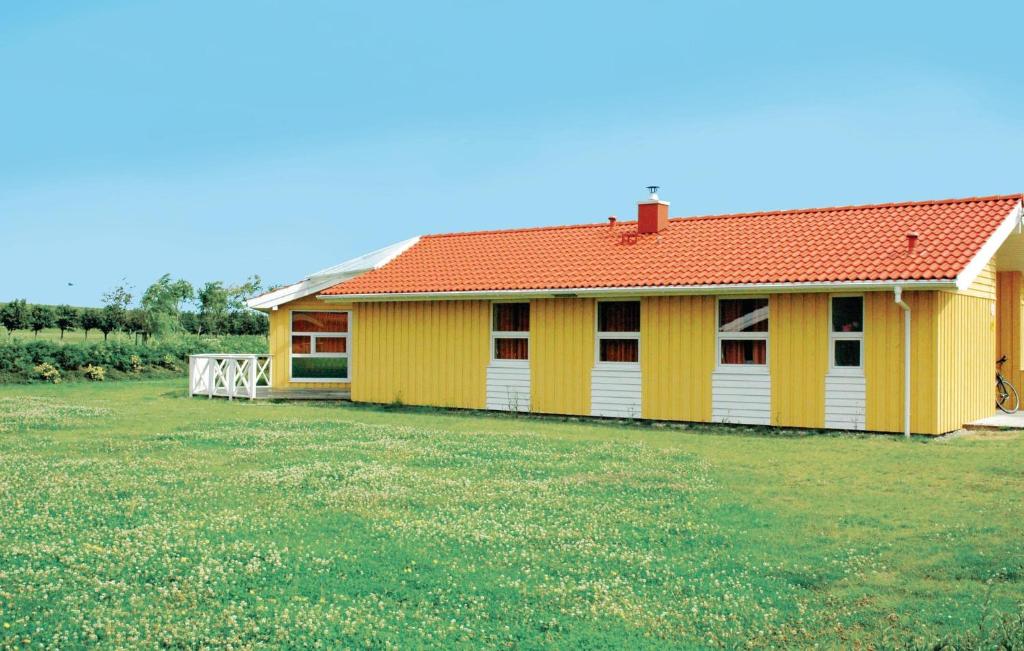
(815,245)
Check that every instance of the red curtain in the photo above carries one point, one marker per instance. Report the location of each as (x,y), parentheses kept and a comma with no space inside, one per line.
(300,344)
(618,316)
(511,348)
(319,321)
(744,351)
(331,344)
(620,350)
(512,317)
(729,310)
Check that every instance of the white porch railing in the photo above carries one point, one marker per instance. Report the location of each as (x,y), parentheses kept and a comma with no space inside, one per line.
(228,375)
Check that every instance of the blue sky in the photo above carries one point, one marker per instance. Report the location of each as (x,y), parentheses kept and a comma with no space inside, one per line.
(217,140)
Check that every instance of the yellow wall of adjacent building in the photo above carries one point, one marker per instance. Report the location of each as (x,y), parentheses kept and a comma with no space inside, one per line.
(798,358)
(280,344)
(1009,306)
(677,349)
(561,355)
(421,353)
(967,353)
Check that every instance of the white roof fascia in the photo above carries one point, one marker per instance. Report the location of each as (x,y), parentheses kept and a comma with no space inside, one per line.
(367,261)
(331,276)
(737,288)
(989,249)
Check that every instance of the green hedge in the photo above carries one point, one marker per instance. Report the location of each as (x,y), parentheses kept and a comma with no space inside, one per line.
(18,358)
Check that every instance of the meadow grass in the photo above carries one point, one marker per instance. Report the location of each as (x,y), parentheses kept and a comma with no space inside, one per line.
(134,516)
(70,336)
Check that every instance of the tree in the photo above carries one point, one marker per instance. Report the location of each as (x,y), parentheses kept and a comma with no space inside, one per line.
(239,294)
(137,324)
(213,307)
(218,302)
(67,318)
(161,304)
(15,316)
(115,308)
(90,320)
(40,317)
(111,319)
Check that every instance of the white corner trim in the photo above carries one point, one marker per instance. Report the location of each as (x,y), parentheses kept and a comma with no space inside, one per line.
(989,249)
(288,293)
(326,278)
(368,261)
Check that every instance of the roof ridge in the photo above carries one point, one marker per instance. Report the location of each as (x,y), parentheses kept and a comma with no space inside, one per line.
(863,206)
(761,213)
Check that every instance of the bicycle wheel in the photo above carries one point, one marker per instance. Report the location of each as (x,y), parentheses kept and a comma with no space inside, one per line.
(1006,397)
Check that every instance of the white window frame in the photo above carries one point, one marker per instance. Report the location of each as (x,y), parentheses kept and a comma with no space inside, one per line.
(749,336)
(510,334)
(599,335)
(833,337)
(312,346)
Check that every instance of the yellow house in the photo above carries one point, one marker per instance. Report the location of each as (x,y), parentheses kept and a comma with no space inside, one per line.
(883,318)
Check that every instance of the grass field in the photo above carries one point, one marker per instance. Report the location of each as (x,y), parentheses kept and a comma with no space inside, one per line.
(133,516)
(71,336)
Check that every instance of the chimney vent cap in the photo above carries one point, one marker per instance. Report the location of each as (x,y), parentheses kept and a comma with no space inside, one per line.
(653,189)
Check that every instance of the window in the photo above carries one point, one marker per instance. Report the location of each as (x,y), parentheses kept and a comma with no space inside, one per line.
(743,331)
(618,331)
(510,332)
(846,337)
(319,351)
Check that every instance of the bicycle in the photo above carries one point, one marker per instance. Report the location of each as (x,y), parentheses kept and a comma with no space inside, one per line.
(1007,399)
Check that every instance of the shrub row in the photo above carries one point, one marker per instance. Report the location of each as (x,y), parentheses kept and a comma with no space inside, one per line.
(18,359)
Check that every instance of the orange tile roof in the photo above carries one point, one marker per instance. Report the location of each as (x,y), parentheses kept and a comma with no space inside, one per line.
(850,243)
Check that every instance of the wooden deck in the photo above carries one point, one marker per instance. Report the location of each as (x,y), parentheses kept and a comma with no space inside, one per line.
(266,393)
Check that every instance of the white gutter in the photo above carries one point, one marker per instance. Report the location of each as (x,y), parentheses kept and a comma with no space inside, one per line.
(569,292)
(898,295)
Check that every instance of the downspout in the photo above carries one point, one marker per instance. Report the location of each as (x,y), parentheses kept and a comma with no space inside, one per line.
(898,292)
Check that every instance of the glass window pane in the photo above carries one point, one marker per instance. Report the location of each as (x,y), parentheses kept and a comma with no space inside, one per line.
(512,317)
(743,315)
(744,351)
(331,345)
(620,350)
(511,348)
(300,344)
(847,352)
(319,321)
(618,316)
(848,314)
(313,368)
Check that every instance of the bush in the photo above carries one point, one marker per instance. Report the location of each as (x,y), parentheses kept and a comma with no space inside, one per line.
(48,373)
(94,373)
(18,358)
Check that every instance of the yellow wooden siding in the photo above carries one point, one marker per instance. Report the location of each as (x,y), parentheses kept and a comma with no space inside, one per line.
(677,347)
(280,343)
(436,353)
(883,362)
(561,355)
(798,358)
(421,353)
(984,286)
(1009,304)
(967,348)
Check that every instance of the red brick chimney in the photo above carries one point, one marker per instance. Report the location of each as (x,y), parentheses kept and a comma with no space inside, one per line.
(652,215)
